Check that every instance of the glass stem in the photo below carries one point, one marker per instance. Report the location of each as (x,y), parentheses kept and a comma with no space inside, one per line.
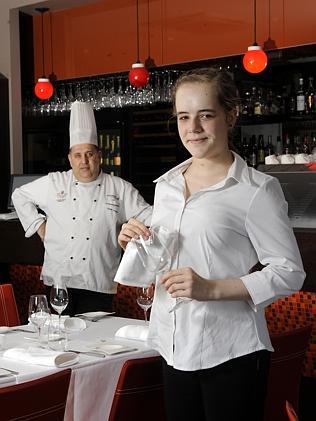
(59,317)
(39,334)
(145,314)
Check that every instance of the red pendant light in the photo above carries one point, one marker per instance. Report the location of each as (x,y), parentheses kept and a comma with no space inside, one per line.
(255,60)
(43,88)
(138,75)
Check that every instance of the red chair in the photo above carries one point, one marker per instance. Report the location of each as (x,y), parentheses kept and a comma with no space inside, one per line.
(290,412)
(285,372)
(139,391)
(9,315)
(42,399)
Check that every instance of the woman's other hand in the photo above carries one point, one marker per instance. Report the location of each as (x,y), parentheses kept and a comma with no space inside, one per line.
(132,229)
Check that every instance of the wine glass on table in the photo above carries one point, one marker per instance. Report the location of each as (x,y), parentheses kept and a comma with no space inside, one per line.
(59,299)
(38,312)
(145,297)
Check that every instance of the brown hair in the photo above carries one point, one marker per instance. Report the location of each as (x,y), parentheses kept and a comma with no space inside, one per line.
(227,93)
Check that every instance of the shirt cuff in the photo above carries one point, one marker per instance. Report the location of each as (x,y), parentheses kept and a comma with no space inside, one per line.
(32,229)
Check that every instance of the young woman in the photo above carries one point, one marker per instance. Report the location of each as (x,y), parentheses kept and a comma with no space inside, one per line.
(228,217)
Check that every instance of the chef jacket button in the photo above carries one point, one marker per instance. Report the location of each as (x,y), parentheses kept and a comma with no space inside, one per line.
(74,198)
(90,219)
(72,237)
(95,200)
(73,217)
(99,185)
(71,257)
(83,258)
(88,238)
(76,184)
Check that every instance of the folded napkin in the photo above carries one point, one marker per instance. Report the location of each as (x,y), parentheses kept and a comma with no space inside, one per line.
(136,332)
(41,356)
(112,348)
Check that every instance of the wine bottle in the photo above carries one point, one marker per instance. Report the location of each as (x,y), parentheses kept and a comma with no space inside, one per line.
(117,152)
(269,149)
(279,146)
(112,151)
(310,97)
(101,146)
(300,97)
(261,152)
(107,150)
(253,152)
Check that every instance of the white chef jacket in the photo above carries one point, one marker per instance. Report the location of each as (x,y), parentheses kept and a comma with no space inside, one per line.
(223,231)
(83,222)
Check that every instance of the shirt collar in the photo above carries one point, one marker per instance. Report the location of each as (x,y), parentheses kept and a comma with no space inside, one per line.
(96,181)
(239,171)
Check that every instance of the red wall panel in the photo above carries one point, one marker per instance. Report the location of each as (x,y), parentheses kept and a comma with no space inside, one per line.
(101,38)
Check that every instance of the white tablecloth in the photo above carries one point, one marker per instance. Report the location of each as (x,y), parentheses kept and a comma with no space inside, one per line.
(93,380)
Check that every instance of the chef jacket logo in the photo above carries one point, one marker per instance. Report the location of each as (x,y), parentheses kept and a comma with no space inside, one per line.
(61,196)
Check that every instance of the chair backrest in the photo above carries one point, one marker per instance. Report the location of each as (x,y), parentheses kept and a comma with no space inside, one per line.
(9,315)
(42,399)
(285,372)
(139,391)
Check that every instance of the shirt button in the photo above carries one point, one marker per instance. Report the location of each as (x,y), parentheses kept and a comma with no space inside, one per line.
(99,185)
(95,200)
(88,238)
(72,237)
(73,217)
(83,258)
(74,198)
(71,258)
(76,184)
(90,219)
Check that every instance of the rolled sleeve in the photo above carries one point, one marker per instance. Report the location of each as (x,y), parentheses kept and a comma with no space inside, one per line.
(269,230)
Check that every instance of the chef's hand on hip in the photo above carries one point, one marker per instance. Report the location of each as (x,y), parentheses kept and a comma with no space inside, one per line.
(132,229)
(41,231)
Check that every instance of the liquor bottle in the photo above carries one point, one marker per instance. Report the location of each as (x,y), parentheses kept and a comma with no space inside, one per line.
(313,145)
(247,110)
(117,152)
(310,106)
(245,150)
(101,146)
(279,146)
(107,151)
(261,152)
(306,145)
(253,152)
(258,104)
(112,152)
(287,145)
(297,145)
(269,149)
(300,97)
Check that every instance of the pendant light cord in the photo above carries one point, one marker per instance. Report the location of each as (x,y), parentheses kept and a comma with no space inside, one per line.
(255,21)
(137,22)
(148,28)
(43,57)
(51,40)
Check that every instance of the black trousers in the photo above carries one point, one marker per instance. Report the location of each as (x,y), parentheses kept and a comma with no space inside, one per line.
(232,391)
(82,301)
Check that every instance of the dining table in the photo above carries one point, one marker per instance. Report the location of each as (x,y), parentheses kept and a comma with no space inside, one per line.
(94,377)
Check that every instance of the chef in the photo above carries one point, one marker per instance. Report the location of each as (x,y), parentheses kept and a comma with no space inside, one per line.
(84,209)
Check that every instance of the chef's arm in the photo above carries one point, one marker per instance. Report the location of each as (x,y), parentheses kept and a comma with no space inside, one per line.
(26,200)
(41,231)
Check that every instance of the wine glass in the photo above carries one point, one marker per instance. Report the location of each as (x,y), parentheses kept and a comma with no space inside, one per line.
(38,312)
(59,299)
(145,297)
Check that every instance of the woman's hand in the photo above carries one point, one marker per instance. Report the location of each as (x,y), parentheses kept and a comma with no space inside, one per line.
(184,282)
(132,229)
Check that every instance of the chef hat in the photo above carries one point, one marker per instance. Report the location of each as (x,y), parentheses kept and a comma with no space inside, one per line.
(82,127)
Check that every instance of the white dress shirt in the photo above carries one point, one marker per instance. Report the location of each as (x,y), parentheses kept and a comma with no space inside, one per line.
(223,231)
(82,225)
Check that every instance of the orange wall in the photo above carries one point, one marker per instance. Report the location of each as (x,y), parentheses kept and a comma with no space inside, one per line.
(101,38)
